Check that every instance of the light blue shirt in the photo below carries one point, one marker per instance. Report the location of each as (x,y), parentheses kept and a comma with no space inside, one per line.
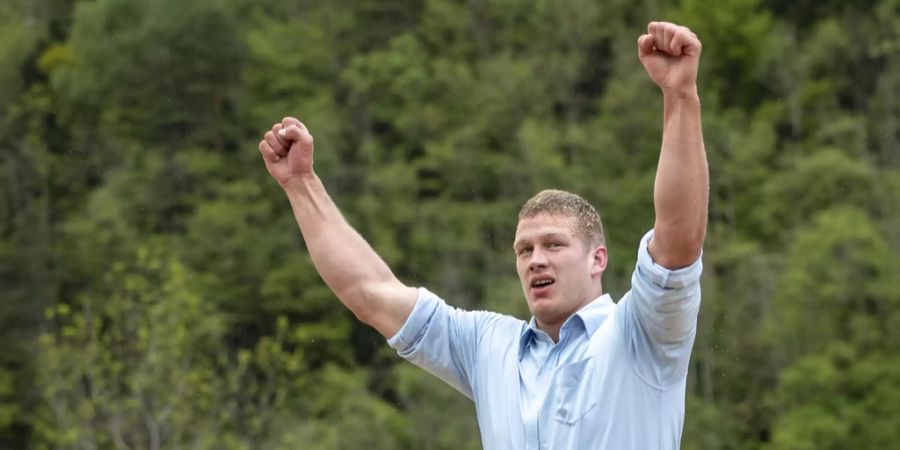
(615,380)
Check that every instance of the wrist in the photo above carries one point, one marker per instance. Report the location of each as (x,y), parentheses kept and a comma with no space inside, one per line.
(681,94)
(300,183)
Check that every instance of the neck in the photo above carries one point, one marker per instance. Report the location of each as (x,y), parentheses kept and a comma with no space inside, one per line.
(552,331)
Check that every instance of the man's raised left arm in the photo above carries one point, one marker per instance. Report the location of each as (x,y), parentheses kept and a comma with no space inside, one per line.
(671,55)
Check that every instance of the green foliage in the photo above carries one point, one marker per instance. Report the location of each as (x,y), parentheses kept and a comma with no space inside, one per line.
(17,42)
(736,41)
(838,286)
(346,413)
(814,183)
(9,409)
(839,398)
(710,427)
(140,368)
(141,72)
(418,392)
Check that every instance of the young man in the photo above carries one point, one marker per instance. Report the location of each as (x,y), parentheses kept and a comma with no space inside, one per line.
(584,373)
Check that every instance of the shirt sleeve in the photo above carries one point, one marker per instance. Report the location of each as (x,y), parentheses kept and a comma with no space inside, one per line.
(442,340)
(658,317)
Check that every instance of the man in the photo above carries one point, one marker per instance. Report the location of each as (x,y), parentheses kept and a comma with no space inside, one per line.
(584,373)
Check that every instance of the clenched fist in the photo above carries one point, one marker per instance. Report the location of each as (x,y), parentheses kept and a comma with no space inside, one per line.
(288,151)
(671,55)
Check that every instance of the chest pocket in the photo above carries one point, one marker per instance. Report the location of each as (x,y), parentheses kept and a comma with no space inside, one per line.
(575,394)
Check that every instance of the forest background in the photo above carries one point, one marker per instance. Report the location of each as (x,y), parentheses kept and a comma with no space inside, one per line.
(155,292)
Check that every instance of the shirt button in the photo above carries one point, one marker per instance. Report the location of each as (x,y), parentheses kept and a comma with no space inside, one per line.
(562,411)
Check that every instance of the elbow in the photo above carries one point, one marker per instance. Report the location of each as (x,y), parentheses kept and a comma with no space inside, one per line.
(678,252)
(372,302)
(367,311)
(676,261)
(360,301)
(693,244)
(383,305)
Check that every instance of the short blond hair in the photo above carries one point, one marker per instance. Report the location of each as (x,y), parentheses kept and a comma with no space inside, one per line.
(563,203)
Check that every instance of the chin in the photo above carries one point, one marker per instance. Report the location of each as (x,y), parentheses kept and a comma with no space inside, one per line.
(544,309)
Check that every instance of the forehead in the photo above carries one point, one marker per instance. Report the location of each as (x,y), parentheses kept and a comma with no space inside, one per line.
(545,224)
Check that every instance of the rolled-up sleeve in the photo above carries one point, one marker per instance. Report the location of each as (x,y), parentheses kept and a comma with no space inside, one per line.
(442,339)
(659,316)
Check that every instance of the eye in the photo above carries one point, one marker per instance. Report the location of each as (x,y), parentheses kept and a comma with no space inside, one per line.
(523,251)
(555,245)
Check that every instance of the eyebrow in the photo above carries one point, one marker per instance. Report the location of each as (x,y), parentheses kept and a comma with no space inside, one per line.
(550,235)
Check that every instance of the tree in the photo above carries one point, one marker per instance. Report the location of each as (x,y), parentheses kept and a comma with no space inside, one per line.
(840,398)
(145,368)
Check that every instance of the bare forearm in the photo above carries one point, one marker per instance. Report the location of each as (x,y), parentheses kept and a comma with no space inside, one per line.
(344,260)
(356,274)
(681,191)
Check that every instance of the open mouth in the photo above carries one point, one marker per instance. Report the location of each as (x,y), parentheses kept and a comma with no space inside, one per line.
(542,282)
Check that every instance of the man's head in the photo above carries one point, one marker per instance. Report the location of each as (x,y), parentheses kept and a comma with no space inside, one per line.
(560,255)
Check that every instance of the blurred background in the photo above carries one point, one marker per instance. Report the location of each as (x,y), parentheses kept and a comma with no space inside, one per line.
(155,292)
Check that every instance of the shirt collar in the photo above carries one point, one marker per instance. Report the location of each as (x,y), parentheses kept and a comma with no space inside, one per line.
(529,333)
(586,319)
(595,313)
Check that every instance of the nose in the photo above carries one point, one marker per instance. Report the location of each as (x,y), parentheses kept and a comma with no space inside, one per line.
(538,260)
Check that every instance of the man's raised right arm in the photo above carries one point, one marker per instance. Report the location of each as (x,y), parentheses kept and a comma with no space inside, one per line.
(345,261)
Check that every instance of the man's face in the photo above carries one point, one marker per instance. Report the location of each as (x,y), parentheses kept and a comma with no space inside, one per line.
(558,270)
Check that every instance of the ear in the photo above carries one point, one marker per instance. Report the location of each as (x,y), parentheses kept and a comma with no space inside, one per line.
(599,258)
